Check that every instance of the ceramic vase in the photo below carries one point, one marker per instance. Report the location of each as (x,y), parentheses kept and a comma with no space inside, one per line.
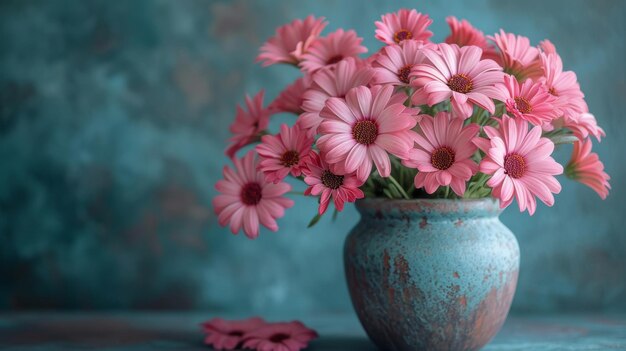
(431,274)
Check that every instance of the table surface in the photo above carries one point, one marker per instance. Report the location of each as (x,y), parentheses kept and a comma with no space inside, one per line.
(180,331)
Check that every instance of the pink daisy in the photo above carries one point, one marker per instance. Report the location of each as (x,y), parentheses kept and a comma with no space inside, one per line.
(247,198)
(444,153)
(464,34)
(248,124)
(365,126)
(562,85)
(329,50)
(284,153)
(291,41)
(290,99)
(393,65)
(583,125)
(228,335)
(519,163)
(403,25)
(347,74)
(457,74)
(517,56)
(586,167)
(529,101)
(322,181)
(292,336)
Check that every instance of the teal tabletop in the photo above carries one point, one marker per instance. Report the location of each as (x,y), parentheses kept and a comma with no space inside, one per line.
(180,331)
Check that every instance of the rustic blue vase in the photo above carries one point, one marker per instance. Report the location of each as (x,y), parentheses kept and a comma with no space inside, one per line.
(431,274)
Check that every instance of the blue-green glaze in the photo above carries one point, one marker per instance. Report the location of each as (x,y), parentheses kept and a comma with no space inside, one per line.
(431,274)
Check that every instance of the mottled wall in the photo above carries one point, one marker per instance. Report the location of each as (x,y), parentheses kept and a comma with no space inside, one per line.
(114,114)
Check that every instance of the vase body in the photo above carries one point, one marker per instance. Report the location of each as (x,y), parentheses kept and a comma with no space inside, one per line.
(431,274)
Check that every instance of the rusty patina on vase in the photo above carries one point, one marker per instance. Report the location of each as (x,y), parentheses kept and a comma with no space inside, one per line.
(431,274)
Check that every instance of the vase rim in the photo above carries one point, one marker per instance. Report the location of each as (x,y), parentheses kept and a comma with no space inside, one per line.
(386,199)
(482,207)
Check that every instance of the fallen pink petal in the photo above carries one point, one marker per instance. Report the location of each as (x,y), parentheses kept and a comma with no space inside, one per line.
(291,336)
(224,334)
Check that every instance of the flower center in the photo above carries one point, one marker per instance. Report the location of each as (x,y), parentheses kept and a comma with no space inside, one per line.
(251,194)
(290,158)
(401,35)
(331,181)
(236,333)
(279,337)
(334,59)
(442,158)
(514,165)
(403,74)
(523,105)
(460,83)
(365,132)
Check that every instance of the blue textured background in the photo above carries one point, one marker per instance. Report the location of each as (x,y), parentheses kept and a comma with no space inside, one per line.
(114,115)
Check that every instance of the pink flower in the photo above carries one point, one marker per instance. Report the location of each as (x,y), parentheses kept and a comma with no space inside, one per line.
(562,85)
(365,126)
(586,167)
(517,57)
(457,74)
(290,99)
(403,25)
(341,188)
(529,101)
(519,163)
(327,83)
(443,154)
(247,198)
(228,335)
(292,336)
(327,51)
(583,125)
(248,124)
(393,65)
(464,34)
(291,41)
(284,153)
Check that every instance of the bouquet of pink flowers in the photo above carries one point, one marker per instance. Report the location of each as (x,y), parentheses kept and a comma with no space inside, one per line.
(472,117)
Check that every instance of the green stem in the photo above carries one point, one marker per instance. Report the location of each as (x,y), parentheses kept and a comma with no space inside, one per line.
(400,189)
